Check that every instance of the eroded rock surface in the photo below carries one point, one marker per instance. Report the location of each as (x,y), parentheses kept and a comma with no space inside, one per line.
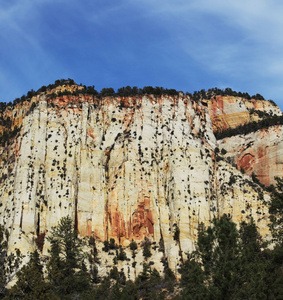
(230,112)
(126,168)
(260,153)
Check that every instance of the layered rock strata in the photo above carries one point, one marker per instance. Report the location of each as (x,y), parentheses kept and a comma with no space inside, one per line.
(259,153)
(230,112)
(122,168)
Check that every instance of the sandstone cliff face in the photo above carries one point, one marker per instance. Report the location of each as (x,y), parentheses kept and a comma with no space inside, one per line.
(260,153)
(122,168)
(230,112)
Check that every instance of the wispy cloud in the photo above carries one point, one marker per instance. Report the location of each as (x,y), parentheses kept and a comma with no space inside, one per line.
(201,43)
(24,58)
(255,23)
(238,40)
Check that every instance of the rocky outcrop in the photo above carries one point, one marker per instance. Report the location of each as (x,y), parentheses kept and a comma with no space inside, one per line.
(230,112)
(260,153)
(122,168)
(257,153)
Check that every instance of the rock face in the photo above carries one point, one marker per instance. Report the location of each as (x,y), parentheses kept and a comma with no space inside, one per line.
(260,153)
(229,112)
(125,168)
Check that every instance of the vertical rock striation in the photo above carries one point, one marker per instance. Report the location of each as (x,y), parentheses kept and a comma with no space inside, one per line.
(122,168)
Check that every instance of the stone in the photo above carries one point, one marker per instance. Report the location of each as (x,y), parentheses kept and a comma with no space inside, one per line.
(129,169)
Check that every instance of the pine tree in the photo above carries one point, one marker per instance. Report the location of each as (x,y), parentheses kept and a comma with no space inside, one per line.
(129,291)
(30,284)
(275,273)
(102,291)
(213,267)
(231,264)
(121,254)
(66,270)
(251,263)
(222,269)
(9,263)
(148,284)
(146,248)
(276,212)
(133,247)
(193,280)
(93,260)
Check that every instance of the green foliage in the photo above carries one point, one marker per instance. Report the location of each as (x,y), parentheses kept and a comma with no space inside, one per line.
(30,284)
(276,212)
(232,179)
(148,284)
(91,90)
(193,280)
(94,251)
(121,254)
(102,291)
(257,97)
(176,235)
(107,92)
(232,264)
(168,274)
(109,245)
(255,179)
(118,276)
(66,269)
(128,91)
(275,275)
(250,127)
(146,248)
(8,135)
(228,263)
(114,273)
(218,250)
(252,268)
(133,247)
(106,246)
(112,244)
(199,95)
(93,260)
(9,262)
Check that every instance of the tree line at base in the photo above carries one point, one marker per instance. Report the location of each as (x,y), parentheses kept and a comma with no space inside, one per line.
(229,263)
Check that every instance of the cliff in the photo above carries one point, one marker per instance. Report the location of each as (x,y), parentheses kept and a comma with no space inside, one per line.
(230,112)
(125,168)
(259,152)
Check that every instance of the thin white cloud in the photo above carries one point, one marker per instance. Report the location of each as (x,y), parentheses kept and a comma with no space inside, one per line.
(26,59)
(256,24)
(238,41)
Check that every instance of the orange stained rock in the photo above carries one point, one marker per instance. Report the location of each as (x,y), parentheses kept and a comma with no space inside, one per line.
(90,132)
(142,220)
(247,163)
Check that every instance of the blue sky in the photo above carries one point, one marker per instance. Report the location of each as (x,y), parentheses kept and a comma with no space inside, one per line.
(187,45)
